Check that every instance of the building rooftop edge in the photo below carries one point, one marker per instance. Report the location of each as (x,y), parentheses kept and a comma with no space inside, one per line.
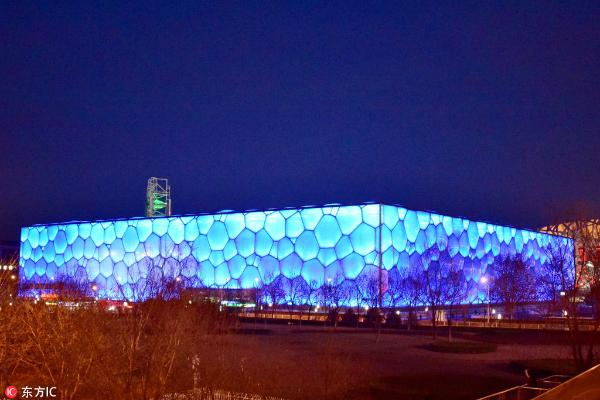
(226,212)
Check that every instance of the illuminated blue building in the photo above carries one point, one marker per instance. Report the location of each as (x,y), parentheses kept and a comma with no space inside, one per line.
(312,246)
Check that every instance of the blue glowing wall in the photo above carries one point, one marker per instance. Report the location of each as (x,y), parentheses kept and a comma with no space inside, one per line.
(243,250)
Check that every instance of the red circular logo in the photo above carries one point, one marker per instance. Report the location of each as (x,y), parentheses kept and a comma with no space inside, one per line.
(10,392)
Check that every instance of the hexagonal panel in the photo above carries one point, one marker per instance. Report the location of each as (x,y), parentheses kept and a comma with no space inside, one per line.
(255,221)
(106,267)
(92,268)
(160,226)
(206,274)
(120,227)
(97,234)
(284,248)
(120,272)
(217,236)
(306,245)
(130,239)
(390,216)
(236,266)
(363,239)
(245,243)
(370,215)
(29,269)
(327,231)
(234,223)
(84,232)
(352,265)
(222,274)
(144,229)
(249,277)
(343,247)
(411,226)
(43,240)
(294,226)
(49,252)
(152,246)
(313,273)
(191,231)
(327,256)
(275,226)
(399,238)
(60,242)
(176,230)
(117,251)
(263,243)
(291,266)
(349,218)
(268,268)
(201,248)
(204,223)
(230,250)
(311,217)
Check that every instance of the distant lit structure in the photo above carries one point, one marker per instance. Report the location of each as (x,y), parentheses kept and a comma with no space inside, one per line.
(311,246)
(586,238)
(158,198)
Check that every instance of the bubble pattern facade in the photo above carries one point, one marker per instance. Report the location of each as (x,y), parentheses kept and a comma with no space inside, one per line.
(243,250)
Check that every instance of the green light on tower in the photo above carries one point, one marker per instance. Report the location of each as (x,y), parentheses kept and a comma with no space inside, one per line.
(158,198)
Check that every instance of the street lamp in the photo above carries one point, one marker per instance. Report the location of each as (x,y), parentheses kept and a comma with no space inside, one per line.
(484,279)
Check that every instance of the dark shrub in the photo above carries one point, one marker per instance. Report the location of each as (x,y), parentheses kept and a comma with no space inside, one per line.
(373,317)
(333,317)
(349,318)
(392,320)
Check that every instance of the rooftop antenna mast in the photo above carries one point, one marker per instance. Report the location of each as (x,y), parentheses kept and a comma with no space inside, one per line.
(158,198)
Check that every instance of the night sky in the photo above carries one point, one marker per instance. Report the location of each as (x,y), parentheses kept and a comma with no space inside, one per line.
(487,111)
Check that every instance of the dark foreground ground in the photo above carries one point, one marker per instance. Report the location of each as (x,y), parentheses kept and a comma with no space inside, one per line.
(313,362)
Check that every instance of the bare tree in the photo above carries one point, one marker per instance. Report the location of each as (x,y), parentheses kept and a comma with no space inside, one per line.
(258,295)
(356,295)
(335,295)
(563,286)
(275,292)
(313,295)
(406,287)
(294,293)
(393,295)
(586,236)
(368,284)
(512,282)
(454,288)
(433,285)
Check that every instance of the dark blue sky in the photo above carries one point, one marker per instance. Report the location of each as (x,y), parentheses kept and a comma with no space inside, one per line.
(485,110)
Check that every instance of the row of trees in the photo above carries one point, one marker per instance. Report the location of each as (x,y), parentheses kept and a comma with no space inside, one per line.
(437,281)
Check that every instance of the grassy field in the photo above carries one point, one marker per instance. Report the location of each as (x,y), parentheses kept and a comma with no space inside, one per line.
(313,362)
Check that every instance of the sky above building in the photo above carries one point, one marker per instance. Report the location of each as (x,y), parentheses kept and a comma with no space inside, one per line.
(488,111)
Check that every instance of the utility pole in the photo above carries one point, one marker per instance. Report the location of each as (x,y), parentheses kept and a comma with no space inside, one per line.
(379,298)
